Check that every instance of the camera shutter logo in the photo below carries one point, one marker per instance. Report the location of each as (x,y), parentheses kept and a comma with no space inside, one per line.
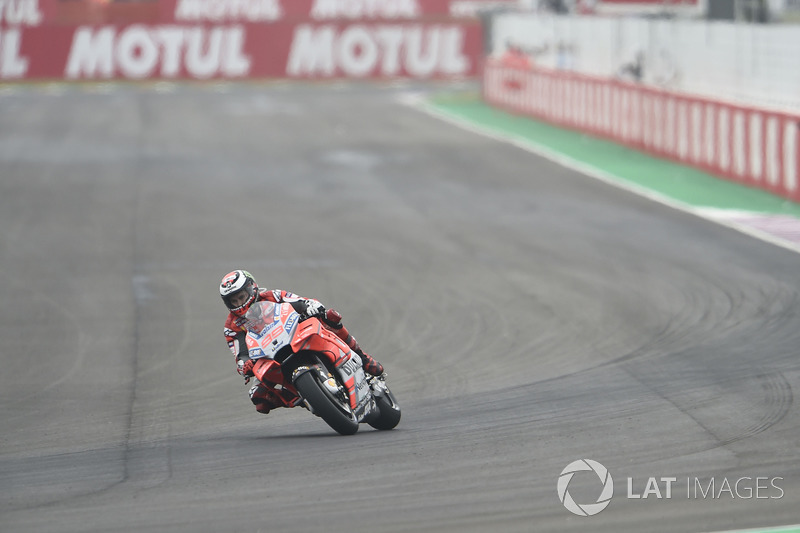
(586,509)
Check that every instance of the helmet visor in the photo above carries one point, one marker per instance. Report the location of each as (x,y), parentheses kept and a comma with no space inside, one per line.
(238,299)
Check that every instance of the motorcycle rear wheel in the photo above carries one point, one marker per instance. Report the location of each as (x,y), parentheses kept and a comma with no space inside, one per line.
(334,411)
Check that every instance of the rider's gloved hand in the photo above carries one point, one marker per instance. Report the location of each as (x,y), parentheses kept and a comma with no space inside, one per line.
(333,319)
(245,368)
(314,308)
(333,316)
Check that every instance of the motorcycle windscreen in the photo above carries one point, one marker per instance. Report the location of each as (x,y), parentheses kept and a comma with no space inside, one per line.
(259,317)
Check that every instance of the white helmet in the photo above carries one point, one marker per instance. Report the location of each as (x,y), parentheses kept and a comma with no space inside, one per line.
(238,290)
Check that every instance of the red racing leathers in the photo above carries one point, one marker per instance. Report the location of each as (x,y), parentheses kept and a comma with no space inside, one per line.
(266,396)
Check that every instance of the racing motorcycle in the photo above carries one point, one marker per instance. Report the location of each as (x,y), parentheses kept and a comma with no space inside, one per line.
(312,362)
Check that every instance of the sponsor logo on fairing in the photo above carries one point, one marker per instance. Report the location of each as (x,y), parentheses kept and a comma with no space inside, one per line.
(257,353)
(138,52)
(366,408)
(290,323)
(350,367)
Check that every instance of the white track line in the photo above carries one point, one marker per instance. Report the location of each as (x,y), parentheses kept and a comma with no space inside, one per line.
(778,529)
(419,101)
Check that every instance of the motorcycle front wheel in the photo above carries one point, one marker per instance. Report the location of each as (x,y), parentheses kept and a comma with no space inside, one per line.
(389,412)
(332,408)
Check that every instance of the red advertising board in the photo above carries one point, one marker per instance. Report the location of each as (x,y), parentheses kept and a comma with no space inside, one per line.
(316,10)
(309,50)
(26,12)
(232,39)
(78,12)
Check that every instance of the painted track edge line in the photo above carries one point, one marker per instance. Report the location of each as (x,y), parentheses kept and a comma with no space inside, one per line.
(777,529)
(420,102)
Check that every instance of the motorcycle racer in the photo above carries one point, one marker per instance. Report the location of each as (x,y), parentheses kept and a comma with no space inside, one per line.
(239,290)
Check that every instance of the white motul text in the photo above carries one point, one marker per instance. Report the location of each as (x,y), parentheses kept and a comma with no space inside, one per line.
(139,52)
(12,64)
(364,9)
(228,10)
(20,12)
(386,50)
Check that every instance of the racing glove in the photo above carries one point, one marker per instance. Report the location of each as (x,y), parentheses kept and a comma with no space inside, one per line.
(245,368)
(313,308)
(333,319)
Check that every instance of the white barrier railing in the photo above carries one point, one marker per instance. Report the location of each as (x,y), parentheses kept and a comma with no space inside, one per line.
(752,146)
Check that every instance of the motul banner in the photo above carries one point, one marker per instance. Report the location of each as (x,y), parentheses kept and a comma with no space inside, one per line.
(230,51)
(318,10)
(756,147)
(232,39)
(78,12)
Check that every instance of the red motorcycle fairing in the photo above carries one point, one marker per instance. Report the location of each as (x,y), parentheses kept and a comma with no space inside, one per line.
(269,371)
(313,335)
(310,335)
(325,372)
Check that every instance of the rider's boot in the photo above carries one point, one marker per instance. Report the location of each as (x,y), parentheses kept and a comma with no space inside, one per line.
(371,366)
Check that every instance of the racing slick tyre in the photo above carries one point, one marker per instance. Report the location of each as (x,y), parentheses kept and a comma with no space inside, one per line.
(332,408)
(389,411)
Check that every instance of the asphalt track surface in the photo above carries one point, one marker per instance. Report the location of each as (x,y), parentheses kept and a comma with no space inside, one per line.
(528,316)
